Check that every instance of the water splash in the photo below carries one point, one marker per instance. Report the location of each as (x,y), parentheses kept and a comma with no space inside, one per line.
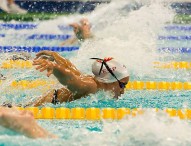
(130,37)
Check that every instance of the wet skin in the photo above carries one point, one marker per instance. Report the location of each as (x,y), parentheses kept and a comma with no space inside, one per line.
(78,85)
(22,122)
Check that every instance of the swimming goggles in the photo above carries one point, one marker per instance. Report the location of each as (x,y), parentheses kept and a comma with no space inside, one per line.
(121,84)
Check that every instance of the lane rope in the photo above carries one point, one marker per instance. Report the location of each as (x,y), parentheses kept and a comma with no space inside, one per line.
(4,49)
(132,85)
(13,64)
(80,113)
(176,38)
(174,50)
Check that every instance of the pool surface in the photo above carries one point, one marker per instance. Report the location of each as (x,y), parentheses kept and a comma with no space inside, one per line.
(134,38)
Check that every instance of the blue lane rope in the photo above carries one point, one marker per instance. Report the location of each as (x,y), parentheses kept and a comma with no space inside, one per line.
(40,36)
(48,37)
(177,38)
(63,27)
(20,26)
(17,26)
(2,35)
(64,37)
(178,27)
(175,50)
(4,49)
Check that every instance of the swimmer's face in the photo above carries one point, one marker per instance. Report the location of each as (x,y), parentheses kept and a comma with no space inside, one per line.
(84,22)
(116,89)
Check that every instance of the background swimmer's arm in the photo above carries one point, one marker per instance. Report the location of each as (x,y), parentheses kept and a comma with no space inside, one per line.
(22,122)
(69,41)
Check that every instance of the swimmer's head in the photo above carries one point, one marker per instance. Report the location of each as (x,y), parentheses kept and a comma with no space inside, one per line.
(84,21)
(108,70)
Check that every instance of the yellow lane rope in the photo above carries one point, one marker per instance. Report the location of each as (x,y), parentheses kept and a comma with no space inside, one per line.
(26,84)
(172,65)
(161,85)
(80,113)
(10,64)
(132,85)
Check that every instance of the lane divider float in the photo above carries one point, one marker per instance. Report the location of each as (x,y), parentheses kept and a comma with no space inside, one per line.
(174,50)
(132,85)
(5,49)
(92,113)
(20,26)
(48,37)
(9,64)
(176,38)
(26,84)
(12,64)
(160,85)
(178,27)
(172,65)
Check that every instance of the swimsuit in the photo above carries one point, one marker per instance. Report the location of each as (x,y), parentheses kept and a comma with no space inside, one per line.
(55,98)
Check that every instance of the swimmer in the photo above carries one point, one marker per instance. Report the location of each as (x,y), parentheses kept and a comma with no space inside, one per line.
(22,122)
(82,32)
(109,75)
(10,6)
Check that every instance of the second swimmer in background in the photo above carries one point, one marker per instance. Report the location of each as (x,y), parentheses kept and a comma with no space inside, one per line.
(82,32)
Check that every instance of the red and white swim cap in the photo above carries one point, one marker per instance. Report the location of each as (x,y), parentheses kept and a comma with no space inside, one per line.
(105,76)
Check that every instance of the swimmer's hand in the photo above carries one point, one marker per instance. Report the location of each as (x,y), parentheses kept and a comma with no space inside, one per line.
(63,43)
(43,65)
(42,53)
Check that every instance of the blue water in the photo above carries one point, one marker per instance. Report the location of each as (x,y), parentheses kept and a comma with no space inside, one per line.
(148,129)
(68,131)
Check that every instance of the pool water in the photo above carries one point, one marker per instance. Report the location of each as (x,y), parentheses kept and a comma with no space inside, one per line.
(131,37)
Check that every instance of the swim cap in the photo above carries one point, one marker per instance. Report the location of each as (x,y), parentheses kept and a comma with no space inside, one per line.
(105,76)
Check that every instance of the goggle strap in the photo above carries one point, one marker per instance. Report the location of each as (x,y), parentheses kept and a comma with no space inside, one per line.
(107,67)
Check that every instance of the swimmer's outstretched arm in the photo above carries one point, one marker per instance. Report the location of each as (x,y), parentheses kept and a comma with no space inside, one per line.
(59,60)
(22,122)
(69,41)
(67,74)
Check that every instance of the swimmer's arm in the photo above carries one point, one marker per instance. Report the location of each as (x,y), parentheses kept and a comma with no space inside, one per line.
(22,122)
(69,41)
(35,131)
(74,82)
(57,58)
(64,63)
